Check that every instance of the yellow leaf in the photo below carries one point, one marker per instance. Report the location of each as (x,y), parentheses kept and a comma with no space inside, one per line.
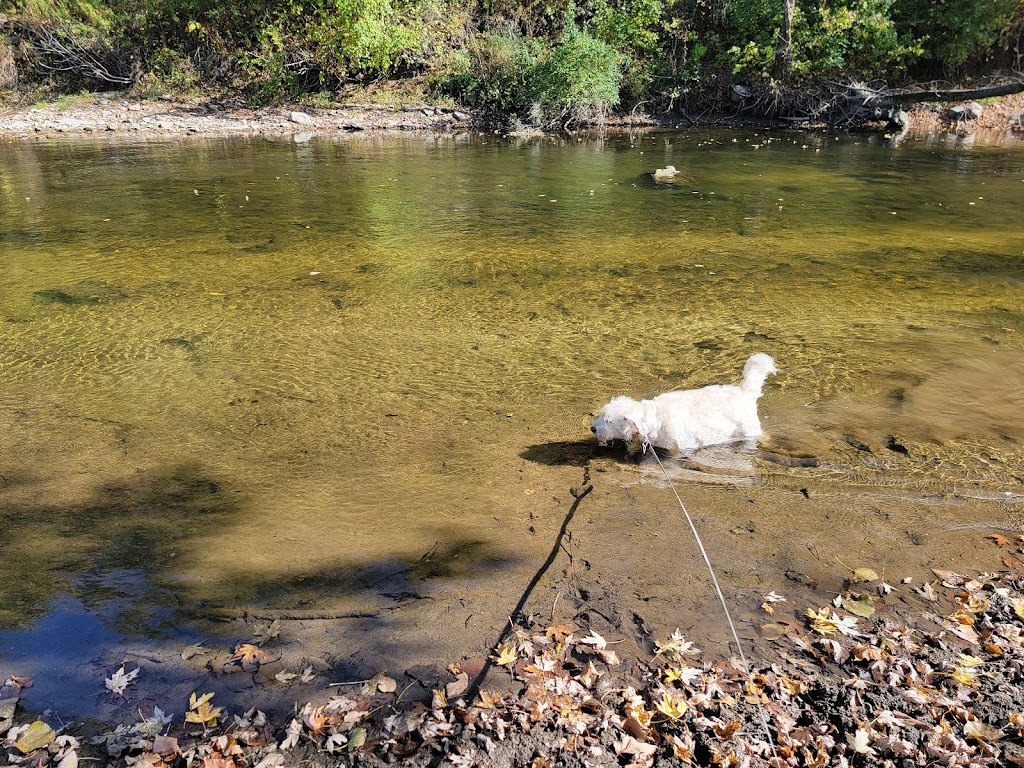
(965,677)
(864,574)
(201,712)
(821,622)
(672,674)
(1019,610)
(37,735)
(975,729)
(671,707)
(505,655)
(966,660)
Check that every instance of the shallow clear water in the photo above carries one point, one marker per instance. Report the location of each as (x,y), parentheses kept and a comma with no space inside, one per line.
(255,370)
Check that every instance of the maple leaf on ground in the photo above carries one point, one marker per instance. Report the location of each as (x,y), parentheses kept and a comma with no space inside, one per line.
(487,700)
(1000,540)
(595,640)
(505,655)
(120,680)
(825,624)
(291,735)
(860,742)
(380,683)
(672,707)
(676,647)
(248,656)
(200,710)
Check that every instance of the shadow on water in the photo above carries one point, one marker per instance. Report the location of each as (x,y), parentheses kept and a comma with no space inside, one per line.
(87,586)
(561,453)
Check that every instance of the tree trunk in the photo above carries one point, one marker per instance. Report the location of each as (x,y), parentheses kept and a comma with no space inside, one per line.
(784,55)
(912,97)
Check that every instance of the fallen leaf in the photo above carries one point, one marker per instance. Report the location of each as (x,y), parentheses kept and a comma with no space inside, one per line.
(120,680)
(676,647)
(1000,540)
(166,746)
(249,656)
(487,700)
(966,660)
(866,653)
(864,574)
(928,592)
(505,655)
(672,707)
(381,683)
(975,729)
(863,606)
(773,631)
(356,739)
(37,735)
(595,640)
(860,742)
(559,633)
(200,710)
(627,745)
(457,687)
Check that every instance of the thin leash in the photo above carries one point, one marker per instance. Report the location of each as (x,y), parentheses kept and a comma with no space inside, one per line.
(721,597)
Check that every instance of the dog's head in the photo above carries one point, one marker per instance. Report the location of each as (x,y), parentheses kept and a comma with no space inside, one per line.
(621,419)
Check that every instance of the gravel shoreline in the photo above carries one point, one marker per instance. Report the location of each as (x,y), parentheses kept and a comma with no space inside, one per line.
(114,115)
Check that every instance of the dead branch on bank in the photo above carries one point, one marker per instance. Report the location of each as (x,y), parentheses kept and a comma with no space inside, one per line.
(854,105)
(60,51)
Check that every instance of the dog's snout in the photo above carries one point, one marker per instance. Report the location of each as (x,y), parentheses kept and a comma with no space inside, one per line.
(593,429)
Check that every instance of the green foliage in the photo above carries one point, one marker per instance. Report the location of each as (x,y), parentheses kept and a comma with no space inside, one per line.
(629,25)
(831,38)
(956,33)
(550,61)
(500,72)
(579,80)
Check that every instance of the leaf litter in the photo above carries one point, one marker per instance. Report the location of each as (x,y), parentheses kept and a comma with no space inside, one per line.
(845,686)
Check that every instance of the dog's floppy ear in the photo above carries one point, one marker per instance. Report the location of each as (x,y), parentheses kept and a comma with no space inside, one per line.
(634,430)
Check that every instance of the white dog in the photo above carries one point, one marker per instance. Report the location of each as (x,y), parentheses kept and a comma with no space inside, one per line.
(689,419)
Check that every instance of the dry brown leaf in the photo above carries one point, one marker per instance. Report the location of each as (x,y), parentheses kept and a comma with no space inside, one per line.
(1000,540)
(727,730)
(166,746)
(249,656)
(457,687)
(866,653)
(488,700)
(559,632)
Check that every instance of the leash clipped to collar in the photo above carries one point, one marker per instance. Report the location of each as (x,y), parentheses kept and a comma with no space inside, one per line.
(718,590)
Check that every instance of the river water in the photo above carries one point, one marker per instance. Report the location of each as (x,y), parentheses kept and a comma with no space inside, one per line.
(353,377)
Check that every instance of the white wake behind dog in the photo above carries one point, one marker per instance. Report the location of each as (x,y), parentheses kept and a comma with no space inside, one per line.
(689,419)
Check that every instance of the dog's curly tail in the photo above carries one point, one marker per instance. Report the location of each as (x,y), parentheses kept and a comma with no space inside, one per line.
(756,371)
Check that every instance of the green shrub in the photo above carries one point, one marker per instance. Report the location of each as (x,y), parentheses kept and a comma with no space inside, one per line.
(499,72)
(580,80)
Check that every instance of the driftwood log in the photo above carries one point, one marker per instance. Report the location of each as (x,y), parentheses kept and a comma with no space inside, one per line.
(867,105)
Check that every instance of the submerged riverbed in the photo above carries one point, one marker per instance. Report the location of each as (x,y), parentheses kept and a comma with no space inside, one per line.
(348,383)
